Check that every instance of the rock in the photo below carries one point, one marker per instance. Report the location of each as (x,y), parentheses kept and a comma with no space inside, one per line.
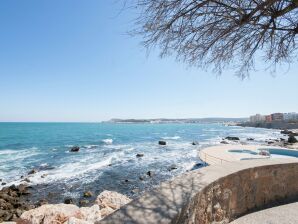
(44,175)
(141,178)
(195,143)
(135,191)
(285,132)
(90,214)
(3,183)
(27,179)
(162,142)
(232,138)
(68,201)
(42,202)
(109,201)
(292,139)
(224,142)
(88,194)
(33,171)
(48,214)
(150,173)
(250,139)
(73,220)
(75,149)
(83,202)
(172,167)
(197,166)
(140,155)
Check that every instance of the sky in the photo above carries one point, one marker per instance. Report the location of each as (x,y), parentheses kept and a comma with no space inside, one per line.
(73,60)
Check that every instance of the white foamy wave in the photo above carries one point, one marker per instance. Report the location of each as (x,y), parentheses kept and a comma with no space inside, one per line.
(7,152)
(172,138)
(91,146)
(108,141)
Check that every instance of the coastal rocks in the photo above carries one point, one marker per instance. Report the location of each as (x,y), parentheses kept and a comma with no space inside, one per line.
(224,142)
(88,194)
(68,201)
(162,142)
(195,143)
(250,139)
(33,171)
(150,173)
(139,155)
(288,132)
(172,167)
(109,201)
(75,149)
(11,205)
(48,214)
(106,203)
(231,138)
(292,139)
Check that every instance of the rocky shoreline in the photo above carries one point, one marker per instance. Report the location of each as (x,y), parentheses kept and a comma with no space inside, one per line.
(16,201)
(12,208)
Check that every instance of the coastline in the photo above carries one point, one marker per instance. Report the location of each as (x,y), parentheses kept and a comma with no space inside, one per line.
(38,194)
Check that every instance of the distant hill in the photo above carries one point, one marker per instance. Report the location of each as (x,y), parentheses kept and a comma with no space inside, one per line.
(185,120)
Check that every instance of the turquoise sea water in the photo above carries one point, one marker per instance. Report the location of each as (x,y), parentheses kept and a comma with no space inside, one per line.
(107,158)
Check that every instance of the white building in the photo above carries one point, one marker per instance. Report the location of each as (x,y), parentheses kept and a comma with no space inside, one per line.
(257,118)
(291,116)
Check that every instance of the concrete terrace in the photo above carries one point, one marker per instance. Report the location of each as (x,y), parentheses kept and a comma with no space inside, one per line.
(220,154)
(218,193)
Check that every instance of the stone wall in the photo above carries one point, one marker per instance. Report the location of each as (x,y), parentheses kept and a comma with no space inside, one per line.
(215,194)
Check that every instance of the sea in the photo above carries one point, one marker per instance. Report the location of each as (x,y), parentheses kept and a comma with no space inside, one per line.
(107,158)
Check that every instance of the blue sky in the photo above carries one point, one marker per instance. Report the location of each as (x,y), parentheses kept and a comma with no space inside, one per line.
(72,60)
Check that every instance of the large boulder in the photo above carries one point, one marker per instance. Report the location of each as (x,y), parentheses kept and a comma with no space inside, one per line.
(162,142)
(48,214)
(106,203)
(75,149)
(110,201)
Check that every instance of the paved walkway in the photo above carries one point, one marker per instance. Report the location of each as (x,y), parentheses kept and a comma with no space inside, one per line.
(285,214)
(222,153)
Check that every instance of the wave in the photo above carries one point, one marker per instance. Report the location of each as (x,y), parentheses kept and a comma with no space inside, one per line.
(171,138)
(107,141)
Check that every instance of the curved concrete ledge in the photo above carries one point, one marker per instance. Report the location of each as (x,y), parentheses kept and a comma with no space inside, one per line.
(215,194)
(220,154)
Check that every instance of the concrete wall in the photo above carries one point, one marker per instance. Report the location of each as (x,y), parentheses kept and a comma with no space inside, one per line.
(215,194)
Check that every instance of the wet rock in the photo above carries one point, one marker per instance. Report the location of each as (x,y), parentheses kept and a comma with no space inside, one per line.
(140,155)
(43,176)
(33,171)
(42,202)
(195,143)
(224,142)
(292,139)
(83,202)
(88,194)
(27,180)
(172,167)
(3,183)
(75,149)
(135,191)
(250,139)
(141,178)
(162,142)
(197,166)
(150,173)
(231,138)
(68,201)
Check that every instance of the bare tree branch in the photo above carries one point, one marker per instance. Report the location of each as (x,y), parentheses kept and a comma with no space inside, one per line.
(221,33)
